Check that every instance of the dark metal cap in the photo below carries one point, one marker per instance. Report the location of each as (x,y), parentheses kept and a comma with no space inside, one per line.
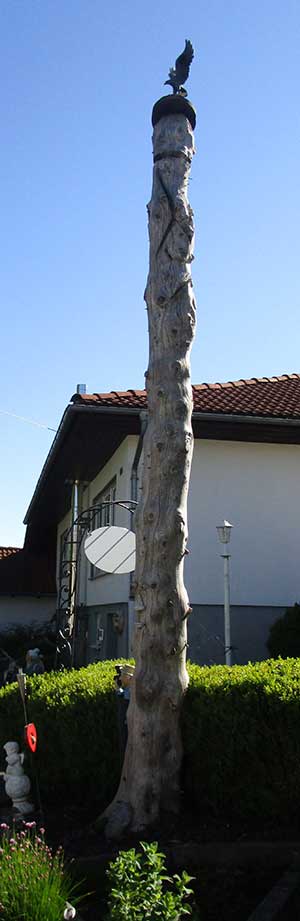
(173,105)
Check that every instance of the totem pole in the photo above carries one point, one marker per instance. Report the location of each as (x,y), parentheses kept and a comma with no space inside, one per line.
(150,777)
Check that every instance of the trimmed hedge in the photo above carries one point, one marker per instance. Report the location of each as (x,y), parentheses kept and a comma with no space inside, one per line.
(241,732)
(284,635)
(78,749)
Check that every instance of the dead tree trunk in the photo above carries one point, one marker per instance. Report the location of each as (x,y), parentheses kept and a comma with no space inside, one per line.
(150,775)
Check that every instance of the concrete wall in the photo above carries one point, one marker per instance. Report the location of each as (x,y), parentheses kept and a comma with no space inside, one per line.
(249,633)
(24,610)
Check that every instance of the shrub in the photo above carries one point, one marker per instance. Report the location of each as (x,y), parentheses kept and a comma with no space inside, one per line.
(78,746)
(284,636)
(242,741)
(240,732)
(140,890)
(33,881)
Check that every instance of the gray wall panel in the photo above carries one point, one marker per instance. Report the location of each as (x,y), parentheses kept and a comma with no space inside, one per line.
(249,633)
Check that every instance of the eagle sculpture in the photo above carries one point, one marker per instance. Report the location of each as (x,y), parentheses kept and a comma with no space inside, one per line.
(179,73)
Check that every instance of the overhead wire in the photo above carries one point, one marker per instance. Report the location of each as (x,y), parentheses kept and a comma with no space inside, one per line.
(41,425)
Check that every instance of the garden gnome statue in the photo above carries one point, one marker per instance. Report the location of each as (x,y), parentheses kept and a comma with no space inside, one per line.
(17,784)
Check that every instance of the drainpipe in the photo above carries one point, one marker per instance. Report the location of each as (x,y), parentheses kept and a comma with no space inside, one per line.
(136,460)
(134,496)
(73,563)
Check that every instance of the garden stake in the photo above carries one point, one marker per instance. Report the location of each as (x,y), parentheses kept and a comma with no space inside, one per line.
(30,735)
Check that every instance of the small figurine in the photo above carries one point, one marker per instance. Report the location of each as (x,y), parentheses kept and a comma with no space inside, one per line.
(123,679)
(118,622)
(17,784)
(34,663)
(180,72)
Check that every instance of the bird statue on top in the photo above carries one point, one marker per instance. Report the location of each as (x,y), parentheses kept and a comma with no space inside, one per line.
(179,73)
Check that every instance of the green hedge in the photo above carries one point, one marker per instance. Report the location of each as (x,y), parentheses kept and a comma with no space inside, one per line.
(75,715)
(241,731)
(284,635)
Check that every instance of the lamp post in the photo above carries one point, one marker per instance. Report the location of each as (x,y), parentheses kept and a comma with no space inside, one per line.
(224,532)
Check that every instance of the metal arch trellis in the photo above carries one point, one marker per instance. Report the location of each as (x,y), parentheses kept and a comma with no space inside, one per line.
(68,577)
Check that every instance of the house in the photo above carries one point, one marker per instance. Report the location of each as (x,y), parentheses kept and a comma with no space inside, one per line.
(246,468)
(27,586)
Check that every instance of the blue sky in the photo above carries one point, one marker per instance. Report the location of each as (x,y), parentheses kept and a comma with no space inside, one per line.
(78,81)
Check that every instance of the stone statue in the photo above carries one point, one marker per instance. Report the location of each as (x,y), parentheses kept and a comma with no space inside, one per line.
(34,663)
(180,72)
(17,784)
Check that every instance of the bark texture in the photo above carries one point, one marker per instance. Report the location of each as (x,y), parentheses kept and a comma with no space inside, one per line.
(150,774)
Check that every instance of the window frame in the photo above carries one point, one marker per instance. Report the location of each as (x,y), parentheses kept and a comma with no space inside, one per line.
(104,517)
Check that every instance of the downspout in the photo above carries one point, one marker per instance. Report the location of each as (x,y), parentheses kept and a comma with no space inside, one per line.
(134,470)
(134,496)
(73,563)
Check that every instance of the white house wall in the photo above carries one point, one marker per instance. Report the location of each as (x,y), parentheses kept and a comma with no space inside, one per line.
(257,488)
(62,527)
(105,589)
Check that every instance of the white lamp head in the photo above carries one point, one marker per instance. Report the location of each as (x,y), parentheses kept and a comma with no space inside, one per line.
(224,531)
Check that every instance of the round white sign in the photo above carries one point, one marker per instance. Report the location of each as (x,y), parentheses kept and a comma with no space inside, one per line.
(111,549)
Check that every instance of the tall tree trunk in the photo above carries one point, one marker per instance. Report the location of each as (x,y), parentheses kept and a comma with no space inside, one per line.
(150,775)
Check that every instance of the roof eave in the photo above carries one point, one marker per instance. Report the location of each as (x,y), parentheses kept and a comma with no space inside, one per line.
(75,408)
(64,426)
(236,417)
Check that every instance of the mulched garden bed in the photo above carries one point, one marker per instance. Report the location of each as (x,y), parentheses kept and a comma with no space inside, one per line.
(233,868)
(221,894)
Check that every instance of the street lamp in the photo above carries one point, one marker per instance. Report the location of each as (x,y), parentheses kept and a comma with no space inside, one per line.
(224,532)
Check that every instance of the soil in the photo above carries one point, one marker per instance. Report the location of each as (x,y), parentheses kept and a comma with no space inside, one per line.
(221,894)
(233,868)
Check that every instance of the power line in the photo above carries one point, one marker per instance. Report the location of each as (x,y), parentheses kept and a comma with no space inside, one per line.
(40,425)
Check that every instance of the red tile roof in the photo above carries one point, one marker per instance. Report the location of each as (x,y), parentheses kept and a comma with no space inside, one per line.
(25,573)
(8,551)
(264,396)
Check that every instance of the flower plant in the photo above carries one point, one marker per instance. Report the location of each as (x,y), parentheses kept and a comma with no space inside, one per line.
(33,882)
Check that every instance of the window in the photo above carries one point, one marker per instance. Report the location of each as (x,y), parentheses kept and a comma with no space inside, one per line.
(103,516)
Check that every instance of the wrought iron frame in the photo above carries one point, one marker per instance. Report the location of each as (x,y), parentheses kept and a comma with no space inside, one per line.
(67,602)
